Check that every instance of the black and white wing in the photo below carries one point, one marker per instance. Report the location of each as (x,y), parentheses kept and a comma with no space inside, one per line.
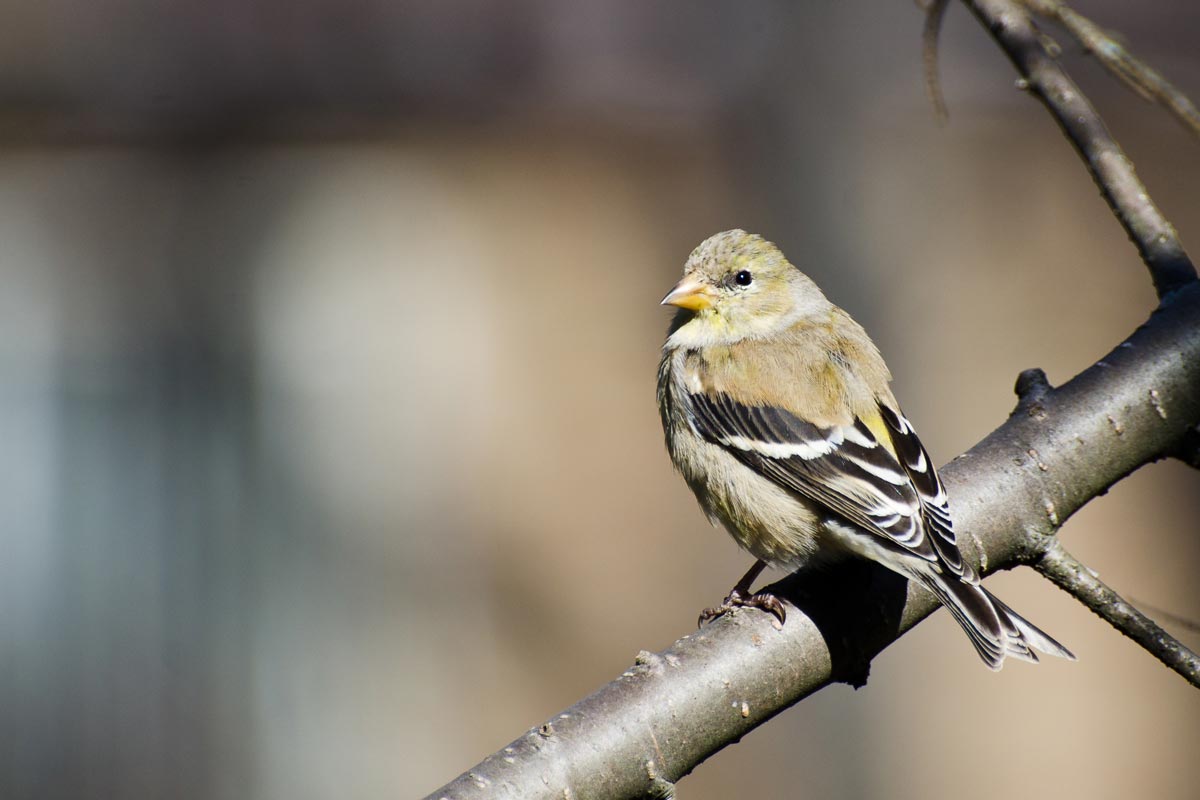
(894,493)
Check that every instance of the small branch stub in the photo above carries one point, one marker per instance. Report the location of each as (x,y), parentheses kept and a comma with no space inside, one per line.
(1032,385)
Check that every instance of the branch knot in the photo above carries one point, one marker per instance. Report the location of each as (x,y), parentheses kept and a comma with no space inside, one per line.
(1032,389)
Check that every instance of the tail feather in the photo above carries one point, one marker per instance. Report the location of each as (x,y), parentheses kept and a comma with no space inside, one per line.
(1034,636)
(995,630)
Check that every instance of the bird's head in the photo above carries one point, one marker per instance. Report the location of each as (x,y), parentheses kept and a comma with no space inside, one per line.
(737,285)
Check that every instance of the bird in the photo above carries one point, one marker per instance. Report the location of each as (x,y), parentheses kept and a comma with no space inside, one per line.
(777,411)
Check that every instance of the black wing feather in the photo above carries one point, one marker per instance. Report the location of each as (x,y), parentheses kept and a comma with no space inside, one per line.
(935,508)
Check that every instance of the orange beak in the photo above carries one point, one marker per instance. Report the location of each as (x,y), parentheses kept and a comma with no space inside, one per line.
(690,293)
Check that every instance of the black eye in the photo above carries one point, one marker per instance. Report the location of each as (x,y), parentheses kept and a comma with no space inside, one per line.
(743,278)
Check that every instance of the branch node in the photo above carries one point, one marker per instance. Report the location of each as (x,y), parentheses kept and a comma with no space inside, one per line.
(648,663)
(1032,389)
(1156,403)
(1051,512)
(1032,384)
(660,788)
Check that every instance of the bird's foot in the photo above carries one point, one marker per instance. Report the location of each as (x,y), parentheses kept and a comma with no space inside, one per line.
(764,601)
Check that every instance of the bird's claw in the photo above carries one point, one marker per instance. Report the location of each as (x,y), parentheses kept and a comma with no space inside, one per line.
(764,601)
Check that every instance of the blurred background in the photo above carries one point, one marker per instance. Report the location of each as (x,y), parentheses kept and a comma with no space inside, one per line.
(328,336)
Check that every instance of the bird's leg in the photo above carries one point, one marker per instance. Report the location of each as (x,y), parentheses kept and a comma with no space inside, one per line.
(741,589)
(740,597)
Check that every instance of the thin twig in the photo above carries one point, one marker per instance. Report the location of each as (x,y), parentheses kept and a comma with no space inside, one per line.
(1117,59)
(1189,625)
(1155,238)
(935,12)
(1073,577)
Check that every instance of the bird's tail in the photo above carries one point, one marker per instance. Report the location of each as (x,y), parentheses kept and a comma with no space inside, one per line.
(995,629)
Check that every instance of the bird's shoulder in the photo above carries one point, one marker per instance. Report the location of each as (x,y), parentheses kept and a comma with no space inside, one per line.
(826,370)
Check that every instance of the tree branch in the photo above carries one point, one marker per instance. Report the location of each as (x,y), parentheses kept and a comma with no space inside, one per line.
(1061,447)
(1155,238)
(1073,577)
(1117,59)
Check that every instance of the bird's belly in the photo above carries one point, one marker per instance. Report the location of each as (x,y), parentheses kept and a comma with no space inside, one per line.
(775,525)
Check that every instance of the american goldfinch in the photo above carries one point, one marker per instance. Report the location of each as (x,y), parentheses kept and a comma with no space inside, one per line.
(777,412)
